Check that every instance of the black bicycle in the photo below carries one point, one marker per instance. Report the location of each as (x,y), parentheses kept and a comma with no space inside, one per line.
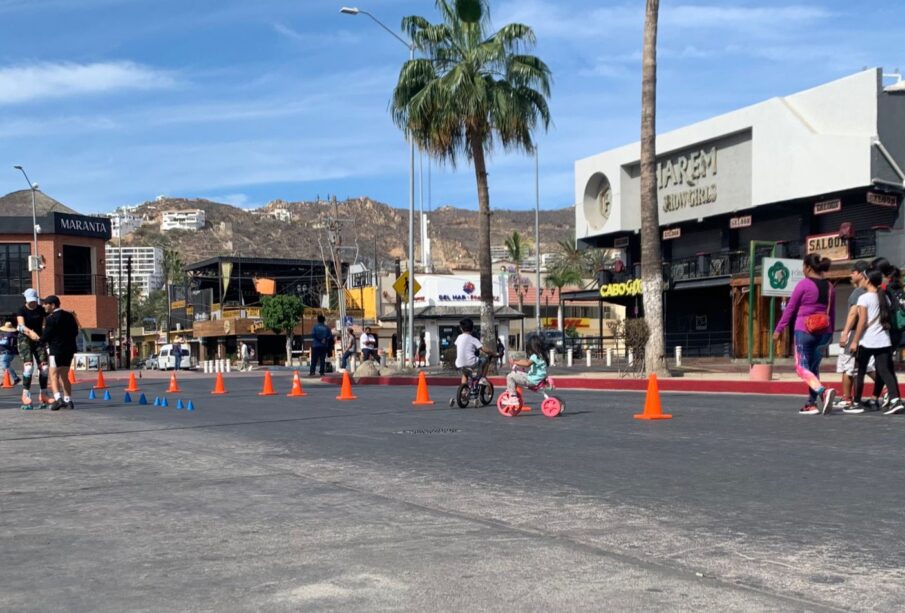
(473,391)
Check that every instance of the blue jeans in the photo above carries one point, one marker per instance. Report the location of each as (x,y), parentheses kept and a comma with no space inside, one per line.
(318,360)
(6,363)
(345,359)
(808,354)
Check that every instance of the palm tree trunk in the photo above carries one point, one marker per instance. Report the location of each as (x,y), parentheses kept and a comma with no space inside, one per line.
(484,266)
(651,267)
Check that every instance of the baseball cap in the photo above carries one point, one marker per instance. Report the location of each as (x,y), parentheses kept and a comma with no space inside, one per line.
(31,295)
(52,299)
(860,266)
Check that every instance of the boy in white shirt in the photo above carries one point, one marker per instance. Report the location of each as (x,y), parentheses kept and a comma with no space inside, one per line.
(469,350)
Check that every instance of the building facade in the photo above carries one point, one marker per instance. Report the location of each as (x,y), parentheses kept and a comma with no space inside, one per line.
(820,170)
(147,267)
(190,220)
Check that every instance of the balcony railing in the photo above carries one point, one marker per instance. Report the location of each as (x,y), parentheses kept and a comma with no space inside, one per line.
(83,285)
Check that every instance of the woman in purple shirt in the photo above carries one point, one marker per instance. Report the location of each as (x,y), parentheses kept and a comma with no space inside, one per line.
(812,295)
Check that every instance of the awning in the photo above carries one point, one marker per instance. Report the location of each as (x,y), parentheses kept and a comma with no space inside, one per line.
(699,283)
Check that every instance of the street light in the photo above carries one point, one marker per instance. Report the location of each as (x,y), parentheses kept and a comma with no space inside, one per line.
(537,239)
(34,228)
(410,328)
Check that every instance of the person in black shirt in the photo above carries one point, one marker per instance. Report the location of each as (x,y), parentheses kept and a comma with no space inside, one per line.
(60,331)
(30,317)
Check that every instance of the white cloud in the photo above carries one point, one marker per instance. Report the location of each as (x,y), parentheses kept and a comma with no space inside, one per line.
(48,80)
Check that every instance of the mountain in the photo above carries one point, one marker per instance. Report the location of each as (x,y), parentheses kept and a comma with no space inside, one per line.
(291,230)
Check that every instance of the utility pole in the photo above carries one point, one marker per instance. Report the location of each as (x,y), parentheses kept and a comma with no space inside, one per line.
(128,312)
(398,271)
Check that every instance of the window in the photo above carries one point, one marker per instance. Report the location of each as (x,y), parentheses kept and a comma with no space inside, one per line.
(14,275)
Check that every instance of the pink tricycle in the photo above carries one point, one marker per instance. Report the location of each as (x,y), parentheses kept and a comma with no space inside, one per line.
(551,406)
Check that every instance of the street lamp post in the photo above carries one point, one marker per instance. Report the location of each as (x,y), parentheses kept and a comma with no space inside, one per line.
(410,327)
(34,228)
(537,239)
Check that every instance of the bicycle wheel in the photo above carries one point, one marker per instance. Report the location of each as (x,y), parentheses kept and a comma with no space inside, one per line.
(463,396)
(486,394)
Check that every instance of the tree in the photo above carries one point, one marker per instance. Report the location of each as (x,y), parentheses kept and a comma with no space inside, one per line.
(560,279)
(281,314)
(469,91)
(651,267)
(153,306)
(173,273)
(516,248)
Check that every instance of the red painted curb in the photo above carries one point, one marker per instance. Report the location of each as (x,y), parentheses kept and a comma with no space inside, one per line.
(786,388)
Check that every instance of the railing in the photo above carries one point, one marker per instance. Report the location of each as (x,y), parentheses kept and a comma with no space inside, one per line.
(716,343)
(83,285)
(864,245)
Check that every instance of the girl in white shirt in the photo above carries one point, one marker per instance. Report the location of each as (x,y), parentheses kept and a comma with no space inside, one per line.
(871,339)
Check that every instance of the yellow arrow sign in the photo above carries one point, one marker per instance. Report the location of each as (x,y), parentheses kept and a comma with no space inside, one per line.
(402,283)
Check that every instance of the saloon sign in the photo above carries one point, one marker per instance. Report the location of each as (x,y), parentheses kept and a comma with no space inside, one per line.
(830,246)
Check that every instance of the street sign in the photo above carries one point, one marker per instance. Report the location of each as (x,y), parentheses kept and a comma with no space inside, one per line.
(402,283)
(779,276)
(348,321)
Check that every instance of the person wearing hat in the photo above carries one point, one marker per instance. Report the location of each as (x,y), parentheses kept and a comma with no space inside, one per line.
(846,363)
(60,331)
(30,318)
(9,341)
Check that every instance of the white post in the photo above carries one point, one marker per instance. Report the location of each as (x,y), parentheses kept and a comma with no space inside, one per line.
(229,365)
(587,357)
(609,356)
(631,358)
(205,366)
(678,356)
(553,357)
(569,357)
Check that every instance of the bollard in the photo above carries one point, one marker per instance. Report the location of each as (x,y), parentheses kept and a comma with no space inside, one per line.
(229,366)
(678,356)
(383,360)
(553,357)
(609,356)
(631,358)
(587,357)
(569,357)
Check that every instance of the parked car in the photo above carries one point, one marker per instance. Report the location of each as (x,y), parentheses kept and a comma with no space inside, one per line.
(150,363)
(166,359)
(554,339)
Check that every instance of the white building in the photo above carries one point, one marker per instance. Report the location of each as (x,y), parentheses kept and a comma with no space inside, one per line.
(147,267)
(191,219)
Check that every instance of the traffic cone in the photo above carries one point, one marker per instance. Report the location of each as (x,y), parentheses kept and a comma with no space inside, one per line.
(219,388)
(190,406)
(652,409)
(127,398)
(107,395)
(422,396)
(179,404)
(267,390)
(297,390)
(345,392)
(142,400)
(133,384)
(163,402)
(157,401)
(91,394)
(72,379)
(101,384)
(7,382)
(174,386)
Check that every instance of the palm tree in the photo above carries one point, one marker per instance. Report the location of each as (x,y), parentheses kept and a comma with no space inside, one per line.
(173,272)
(651,269)
(559,279)
(468,91)
(516,248)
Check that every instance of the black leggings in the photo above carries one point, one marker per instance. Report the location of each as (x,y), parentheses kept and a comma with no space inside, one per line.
(885,373)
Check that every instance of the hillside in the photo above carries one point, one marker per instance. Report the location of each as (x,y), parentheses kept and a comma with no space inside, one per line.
(373,226)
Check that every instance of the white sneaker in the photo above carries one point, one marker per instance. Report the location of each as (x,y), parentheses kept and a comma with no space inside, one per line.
(853,409)
(483,381)
(829,395)
(896,406)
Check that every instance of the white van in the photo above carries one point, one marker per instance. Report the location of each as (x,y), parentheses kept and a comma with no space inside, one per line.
(166,360)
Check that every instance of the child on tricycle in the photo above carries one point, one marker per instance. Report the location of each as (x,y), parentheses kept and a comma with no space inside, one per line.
(534,378)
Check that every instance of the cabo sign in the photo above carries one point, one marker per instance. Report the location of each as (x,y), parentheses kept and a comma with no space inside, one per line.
(627,288)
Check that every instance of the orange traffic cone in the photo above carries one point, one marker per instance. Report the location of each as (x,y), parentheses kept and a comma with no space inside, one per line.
(133,384)
(7,382)
(72,379)
(652,409)
(267,390)
(219,388)
(345,392)
(297,390)
(422,396)
(101,385)
(174,385)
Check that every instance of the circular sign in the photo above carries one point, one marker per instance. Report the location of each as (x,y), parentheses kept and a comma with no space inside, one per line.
(598,200)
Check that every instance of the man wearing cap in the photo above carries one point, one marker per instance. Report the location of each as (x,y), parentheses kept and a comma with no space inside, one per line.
(60,331)
(30,318)
(846,363)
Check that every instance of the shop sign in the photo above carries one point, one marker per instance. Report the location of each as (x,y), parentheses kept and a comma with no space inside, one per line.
(830,246)
(779,276)
(626,288)
(744,221)
(81,225)
(579,323)
(887,200)
(620,243)
(672,233)
(827,206)
(448,290)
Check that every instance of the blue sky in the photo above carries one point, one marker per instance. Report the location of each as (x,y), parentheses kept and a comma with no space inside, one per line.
(110,102)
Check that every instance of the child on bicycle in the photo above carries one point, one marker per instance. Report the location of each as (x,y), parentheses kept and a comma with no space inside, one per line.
(537,370)
(470,353)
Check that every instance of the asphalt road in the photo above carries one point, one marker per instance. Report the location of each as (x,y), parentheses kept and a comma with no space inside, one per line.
(278,504)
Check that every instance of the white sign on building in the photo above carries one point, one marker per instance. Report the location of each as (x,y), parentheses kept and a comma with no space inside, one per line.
(458,290)
(779,276)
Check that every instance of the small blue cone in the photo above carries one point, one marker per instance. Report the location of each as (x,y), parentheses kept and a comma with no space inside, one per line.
(107,395)
(163,402)
(127,398)
(142,400)
(92,395)
(190,406)
(156,401)
(179,404)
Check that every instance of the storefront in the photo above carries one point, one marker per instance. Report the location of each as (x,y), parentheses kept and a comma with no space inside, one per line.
(820,170)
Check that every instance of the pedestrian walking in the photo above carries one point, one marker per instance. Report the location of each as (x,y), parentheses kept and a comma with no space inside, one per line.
(321,341)
(812,308)
(349,349)
(29,323)
(846,364)
(500,351)
(244,354)
(9,341)
(422,351)
(60,331)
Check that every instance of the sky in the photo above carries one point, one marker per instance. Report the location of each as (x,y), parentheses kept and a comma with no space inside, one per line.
(115,102)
